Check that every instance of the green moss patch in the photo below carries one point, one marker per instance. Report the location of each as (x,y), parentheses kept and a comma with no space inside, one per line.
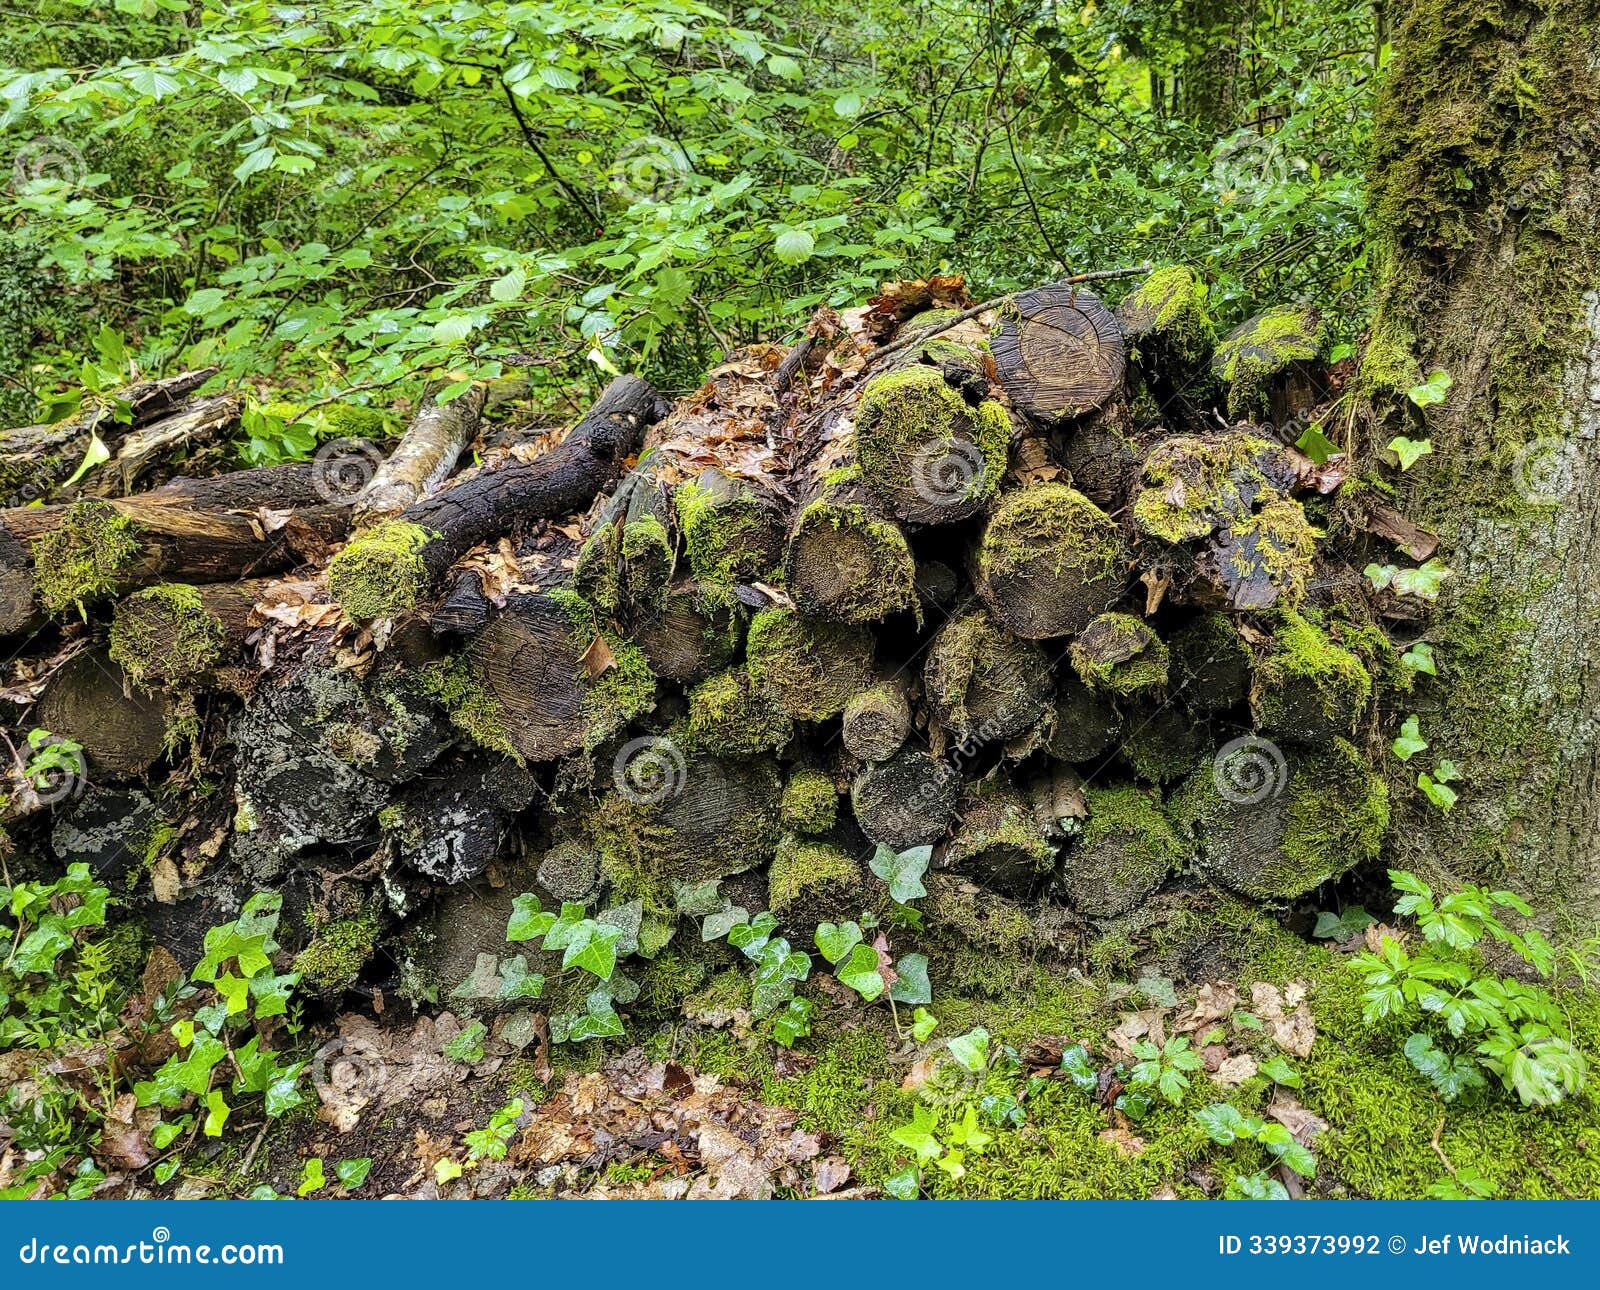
(813,878)
(809,667)
(1128,849)
(810,801)
(1120,655)
(1259,349)
(381,573)
(1166,313)
(164,633)
(727,716)
(1308,687)
(85,558)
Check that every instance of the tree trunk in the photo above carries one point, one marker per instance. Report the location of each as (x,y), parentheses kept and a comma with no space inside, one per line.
(1486,198)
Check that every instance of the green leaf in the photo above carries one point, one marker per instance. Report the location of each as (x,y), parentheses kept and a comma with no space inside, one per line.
(1279,1071)
(918,1136)
(971,1050)
(1079,1069)
(913,985)
(1341,927)
(860,972)
(1433,390)
(1277,1139)
(902,871)
(1419,658)
(467,1045)
(1423,582)
(904,1185)
(509,285)
(1224,1124)
(1409,742)
(1259,1186)
(254,162)
(1410,451)
(968,1134)
(312,1178)
(793,1023)
(352,1173)
(793,245)
(1439,794)
(923,1024)
(217,1112)
(1451,1074)
(1316,445)
(836,940)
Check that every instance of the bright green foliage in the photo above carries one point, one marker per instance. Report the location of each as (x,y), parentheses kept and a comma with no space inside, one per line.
(1469,1017)
(1225,1125)
(1165,1069)
(491,1141)
(902,871)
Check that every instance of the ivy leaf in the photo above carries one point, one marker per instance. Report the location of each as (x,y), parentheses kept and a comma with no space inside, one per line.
(217,1112)
(1419,658)
(1224,1124)
(923,1024)
(902,870)
(528,919)
(971,1050)
(968,1134)
(1431,391)
(918,1136)
(913,985)
(1316,445)
(1409,742)
(312,1179)
(1341,927)
(1410,451)
(793,1023)
(860,972)
(1423,582)
(904,1185)
(1077,1067)
(352,1173)
(467,1045)
(722,923)
(1439,794)
(835,940)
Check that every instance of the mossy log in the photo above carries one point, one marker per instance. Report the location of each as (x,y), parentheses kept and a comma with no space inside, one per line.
(1059,353)
(423,459)
(846,557)
(1307,688)
(1119,655)
(1085,724)
(910,800)
(1270,366)
(543,679)
(1128,848)
(727,715)
(812,881)
(1171,338)
(36,460)
(1274,826)
(983,683)
(175,634)
(998,842)
(930,443)
(628,561)
(90,700)
(1049,561)
(733,528)
(807,667)
(398,564)
(1220,525)
(877,719)
(1211,664)
(698,629)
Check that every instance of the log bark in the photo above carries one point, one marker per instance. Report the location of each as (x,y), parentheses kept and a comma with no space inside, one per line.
(398,564)
(1059,353)
(424,457)
(91,701)
(908,801)
(877,720)
(983,683)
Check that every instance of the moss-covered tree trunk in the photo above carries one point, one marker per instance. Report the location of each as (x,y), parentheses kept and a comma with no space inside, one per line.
(1486,209)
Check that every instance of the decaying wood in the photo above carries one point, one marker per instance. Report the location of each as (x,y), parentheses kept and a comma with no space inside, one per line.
(424,457)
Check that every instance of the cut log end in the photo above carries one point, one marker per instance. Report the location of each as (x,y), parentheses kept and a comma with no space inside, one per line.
(1059,353)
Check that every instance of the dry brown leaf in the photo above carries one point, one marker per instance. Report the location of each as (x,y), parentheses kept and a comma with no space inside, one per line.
(1123,1141)
(598,659)
(1304,1124)
(1215,1001)
(1235,1070)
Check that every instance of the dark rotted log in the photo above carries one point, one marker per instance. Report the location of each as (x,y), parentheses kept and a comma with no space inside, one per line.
(910,800)
(110,830)
(930,443)
(423,459)
(36,460)
(697,630)
(17,608)
(816,880)
(983,683)
(465,609)
(90,700)
(1273,824)
(877,719)
(1085,724)
(1127,850)
(175,633)
(397,564)
(938,585)
(1210,664)
(1271,365)
(1059,353)
(319,754)
(1049,560)
(1102,457)
(542,679)
(998,841)
(1220,525)
(1159,741)
(628,561)
(1055,794)
(1171,337)
(451,822)
(807,667)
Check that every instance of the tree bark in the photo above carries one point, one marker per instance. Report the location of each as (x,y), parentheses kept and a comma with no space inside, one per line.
(424,457)
(1490,238)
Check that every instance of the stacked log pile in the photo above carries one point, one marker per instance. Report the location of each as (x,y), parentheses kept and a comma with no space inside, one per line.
(1042,587)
